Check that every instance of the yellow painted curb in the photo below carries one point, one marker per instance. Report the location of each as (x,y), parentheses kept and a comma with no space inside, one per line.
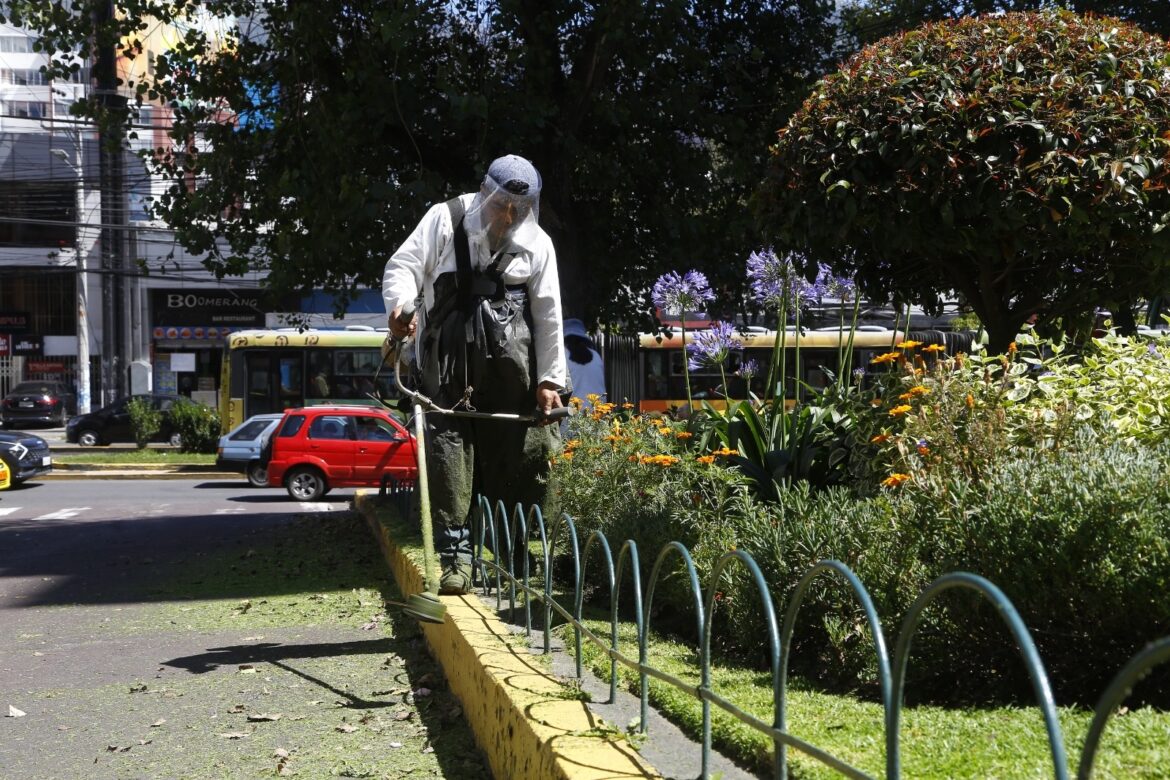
(517,710)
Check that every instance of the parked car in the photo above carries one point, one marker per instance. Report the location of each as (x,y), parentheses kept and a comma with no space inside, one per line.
(25,455)
(319,448)
(50,403)
(112,423)
(240,448)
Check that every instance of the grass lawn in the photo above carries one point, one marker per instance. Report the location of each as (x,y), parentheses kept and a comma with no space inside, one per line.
(1000,742)
(149,455)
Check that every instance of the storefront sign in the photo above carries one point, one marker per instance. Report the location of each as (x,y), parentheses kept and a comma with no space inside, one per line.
(5,345)
(26,345)
(206,309)
(44,367)
(14,320)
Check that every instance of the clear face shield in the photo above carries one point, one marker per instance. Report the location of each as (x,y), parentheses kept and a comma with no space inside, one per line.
(507,207)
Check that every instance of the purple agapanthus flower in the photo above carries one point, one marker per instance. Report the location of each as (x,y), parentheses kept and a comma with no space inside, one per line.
(770,277)
(711,347)
(776,282)
(840,287)
(748,369)
(675,294)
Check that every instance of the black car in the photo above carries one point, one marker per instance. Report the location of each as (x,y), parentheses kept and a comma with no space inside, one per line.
(112,423)
(27,456)
(50,403)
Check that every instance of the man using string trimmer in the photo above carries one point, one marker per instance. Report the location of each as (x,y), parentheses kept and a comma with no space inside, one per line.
(482,276)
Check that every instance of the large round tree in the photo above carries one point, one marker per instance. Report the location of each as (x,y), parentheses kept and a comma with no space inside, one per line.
(1018,160)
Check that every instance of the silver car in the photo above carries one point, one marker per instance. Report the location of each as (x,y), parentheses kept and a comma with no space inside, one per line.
(242,448)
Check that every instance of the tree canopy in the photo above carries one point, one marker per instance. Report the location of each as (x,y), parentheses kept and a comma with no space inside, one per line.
(312,137)
(1020,160)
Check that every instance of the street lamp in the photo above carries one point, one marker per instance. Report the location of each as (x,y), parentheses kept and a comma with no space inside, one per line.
(83,399)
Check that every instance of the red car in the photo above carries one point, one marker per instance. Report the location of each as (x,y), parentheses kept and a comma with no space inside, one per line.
(318,448)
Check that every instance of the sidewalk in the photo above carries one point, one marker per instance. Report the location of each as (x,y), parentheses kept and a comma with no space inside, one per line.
(203,647)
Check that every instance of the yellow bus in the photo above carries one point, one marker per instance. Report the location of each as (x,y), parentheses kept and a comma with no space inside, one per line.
(662,383)
(271,370)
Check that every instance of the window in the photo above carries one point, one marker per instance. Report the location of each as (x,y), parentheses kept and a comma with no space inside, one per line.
(23,77)
(16,44)
(375,429)
(250,431)
(330,427)
(50,211)
(292,426)
(28,109)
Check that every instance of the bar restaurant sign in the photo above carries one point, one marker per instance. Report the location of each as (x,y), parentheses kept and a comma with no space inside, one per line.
(207,308)
(14,321)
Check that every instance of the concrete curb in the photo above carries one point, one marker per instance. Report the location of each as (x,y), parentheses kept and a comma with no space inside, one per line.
(517,709)
(88,471)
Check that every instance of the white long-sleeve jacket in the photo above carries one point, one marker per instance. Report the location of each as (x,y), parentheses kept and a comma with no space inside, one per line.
(429,252)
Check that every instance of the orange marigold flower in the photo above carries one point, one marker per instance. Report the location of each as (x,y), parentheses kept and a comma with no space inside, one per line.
(576,402)
(707,459)
(918,390)
(875,403)
(627,405)
(1012,348)
(725,452)
(898,411)
(572,444)
(887,357)
(567,455)
(894,480)
(881,438)
(970,401)
(923,450)
(664,431)
(683,435)
(593,398)
(909,344)
(934,348)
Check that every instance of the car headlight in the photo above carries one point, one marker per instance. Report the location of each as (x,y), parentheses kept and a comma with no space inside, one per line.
(17,449)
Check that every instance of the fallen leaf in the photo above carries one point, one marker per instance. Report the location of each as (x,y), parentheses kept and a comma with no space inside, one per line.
(265,716)
(138,688)
(237,709)
(370,626)
(395,744)
(247,669)
(283,769)
(233,735)
(403,715)
(15,713)
(252,638)
(280,753)
(37,654)
(428,749)
(158,723)
(347,728)
(144,741)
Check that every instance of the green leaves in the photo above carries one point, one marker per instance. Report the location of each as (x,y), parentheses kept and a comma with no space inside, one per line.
(989,156)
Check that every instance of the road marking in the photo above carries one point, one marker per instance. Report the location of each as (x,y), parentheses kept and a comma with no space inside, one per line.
(9,510)
(317,506)
(231,510)
(63,514)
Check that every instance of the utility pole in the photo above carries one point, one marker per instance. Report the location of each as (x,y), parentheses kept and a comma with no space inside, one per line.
(111,173)
(82,284)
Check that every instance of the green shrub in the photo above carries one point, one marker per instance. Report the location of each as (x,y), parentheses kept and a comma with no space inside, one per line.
(197,425)
(145,420)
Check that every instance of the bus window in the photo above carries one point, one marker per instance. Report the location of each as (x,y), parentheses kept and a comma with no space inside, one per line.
(292,384)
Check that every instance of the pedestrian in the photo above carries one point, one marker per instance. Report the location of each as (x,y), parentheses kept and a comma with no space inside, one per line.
(481,276)
(586,371)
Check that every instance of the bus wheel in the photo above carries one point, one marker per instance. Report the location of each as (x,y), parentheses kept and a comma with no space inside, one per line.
(257,474)
(305,483)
